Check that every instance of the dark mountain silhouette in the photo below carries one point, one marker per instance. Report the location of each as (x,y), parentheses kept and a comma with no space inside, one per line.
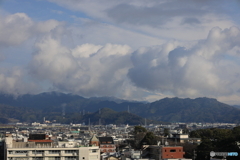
(74,108)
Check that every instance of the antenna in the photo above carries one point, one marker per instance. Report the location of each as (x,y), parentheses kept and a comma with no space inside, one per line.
(128,110)
(63,110)
(99,110)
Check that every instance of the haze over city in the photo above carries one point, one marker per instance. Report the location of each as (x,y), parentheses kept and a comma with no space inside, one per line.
(135,50)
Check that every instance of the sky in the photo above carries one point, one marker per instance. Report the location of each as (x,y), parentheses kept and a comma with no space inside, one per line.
(129,49)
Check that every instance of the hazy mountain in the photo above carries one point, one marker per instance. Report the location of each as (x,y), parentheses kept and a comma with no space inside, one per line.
(236,106)
(55,106)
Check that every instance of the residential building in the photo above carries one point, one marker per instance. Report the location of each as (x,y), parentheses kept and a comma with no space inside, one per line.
(45,150)
(163,152)
(107,145)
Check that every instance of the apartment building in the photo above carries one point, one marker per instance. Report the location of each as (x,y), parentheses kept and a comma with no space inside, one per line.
(46,150)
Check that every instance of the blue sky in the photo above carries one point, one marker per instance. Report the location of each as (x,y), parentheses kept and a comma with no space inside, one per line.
(136,50)
(40,10)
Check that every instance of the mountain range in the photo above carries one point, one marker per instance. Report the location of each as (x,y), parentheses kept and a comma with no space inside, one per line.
(67,108)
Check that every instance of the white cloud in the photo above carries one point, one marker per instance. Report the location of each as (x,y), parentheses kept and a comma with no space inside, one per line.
(171,19)
(206,69)
(88,70)
(14,29)
(17,31)
(12,81)
(126,49)
(17,28)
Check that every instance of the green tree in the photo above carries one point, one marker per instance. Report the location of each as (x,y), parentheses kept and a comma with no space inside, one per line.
(139,133)
(149,139)
(166,132)
(139,129)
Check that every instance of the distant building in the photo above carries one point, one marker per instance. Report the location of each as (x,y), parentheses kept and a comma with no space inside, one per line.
(106,145)
(94,141)
(172,152)
(184,138)
(163,152)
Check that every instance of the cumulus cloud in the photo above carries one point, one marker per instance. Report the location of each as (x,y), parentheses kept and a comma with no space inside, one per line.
(12,81)
(202,70)
(14,29)
(87,69)
(125,49)
(17,28)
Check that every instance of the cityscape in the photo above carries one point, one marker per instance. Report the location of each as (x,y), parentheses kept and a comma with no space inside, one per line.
(119,80)
(105,134)
(48,140)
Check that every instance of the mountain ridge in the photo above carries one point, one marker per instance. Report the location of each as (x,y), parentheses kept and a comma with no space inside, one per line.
(52,105)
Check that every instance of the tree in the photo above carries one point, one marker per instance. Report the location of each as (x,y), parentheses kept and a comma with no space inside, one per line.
(166,132)
(149,139)
(139,133)
(139,129)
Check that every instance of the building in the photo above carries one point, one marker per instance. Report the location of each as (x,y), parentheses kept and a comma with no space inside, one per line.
(94,141)
(41,150)
(172,152)
(184,138)
(107,145)
(163,152)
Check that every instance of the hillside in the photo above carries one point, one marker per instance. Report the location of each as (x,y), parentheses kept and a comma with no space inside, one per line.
(191,110)
(109,116)
(52,105)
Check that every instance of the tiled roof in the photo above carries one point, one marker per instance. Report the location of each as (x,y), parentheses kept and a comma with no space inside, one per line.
(106,140)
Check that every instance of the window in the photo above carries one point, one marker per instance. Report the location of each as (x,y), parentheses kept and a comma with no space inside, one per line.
(21,152)
(38,152)
(54,152)
(94,150)
(37,158)
(70,151)
(70,158)
(173,150)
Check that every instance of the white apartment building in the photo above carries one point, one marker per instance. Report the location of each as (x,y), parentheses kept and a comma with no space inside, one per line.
(47,151)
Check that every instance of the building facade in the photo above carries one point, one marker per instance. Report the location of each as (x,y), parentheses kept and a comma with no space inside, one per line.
(32,151)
